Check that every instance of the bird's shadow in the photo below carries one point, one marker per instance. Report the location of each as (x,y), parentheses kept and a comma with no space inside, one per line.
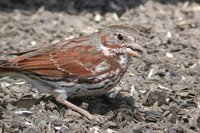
(96,105)
(103,104)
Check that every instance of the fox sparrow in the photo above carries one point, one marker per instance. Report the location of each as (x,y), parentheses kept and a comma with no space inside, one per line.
(88,65)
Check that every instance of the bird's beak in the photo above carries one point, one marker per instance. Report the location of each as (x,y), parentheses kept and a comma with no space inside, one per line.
(135,50)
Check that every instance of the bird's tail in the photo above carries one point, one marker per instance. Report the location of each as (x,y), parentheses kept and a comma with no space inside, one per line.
(2,69)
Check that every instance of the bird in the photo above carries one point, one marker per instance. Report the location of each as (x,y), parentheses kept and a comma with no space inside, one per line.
(82,66)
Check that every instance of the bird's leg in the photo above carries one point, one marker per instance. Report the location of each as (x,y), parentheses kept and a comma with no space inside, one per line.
(76,108)
(61,97)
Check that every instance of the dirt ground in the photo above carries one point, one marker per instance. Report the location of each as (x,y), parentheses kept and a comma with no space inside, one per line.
(157,95)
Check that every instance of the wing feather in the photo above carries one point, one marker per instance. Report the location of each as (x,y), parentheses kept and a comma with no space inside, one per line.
(70,59)
(77,62)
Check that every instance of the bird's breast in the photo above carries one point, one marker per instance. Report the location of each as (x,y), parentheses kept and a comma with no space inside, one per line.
(109,74)
(94,86)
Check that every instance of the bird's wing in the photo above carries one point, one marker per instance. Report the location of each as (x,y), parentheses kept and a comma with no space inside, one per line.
(74,58)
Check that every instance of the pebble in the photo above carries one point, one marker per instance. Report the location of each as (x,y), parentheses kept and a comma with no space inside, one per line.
(111,131)
(95,129)
(28,123)
(150,73)
(134,93)
(33,43)
(115,17)
(21,112)
(97,17)
(169,34)
(169,55)
(112,94)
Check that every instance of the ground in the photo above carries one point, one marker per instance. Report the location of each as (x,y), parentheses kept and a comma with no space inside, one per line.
(159,94)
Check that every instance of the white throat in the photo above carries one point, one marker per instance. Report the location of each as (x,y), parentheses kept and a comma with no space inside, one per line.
(123,60)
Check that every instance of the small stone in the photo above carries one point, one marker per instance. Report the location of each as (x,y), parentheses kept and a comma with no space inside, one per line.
(169,34)
(97,17)
(112,94)
(169,55)
(33,43)
(167,99)
(84,105)
(95,129)
(115,17)
(20,82)
(164,88)
(28,123)
(134,93)
(111,131)
(57,128)
(150,73)
(24,112)
(131,74)
(183,78)
(55,41)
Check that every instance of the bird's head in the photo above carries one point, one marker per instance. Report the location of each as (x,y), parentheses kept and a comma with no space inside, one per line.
(122,40)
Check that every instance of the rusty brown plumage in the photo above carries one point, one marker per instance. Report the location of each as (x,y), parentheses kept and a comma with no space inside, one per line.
(87,65)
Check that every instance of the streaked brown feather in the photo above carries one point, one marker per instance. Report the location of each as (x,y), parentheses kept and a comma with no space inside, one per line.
(69,59)
(77,61)
(49,72)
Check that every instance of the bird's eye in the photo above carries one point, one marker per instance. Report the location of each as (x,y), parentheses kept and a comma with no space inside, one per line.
(120,36)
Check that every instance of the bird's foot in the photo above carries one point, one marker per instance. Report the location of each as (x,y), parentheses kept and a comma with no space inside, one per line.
(79,110)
